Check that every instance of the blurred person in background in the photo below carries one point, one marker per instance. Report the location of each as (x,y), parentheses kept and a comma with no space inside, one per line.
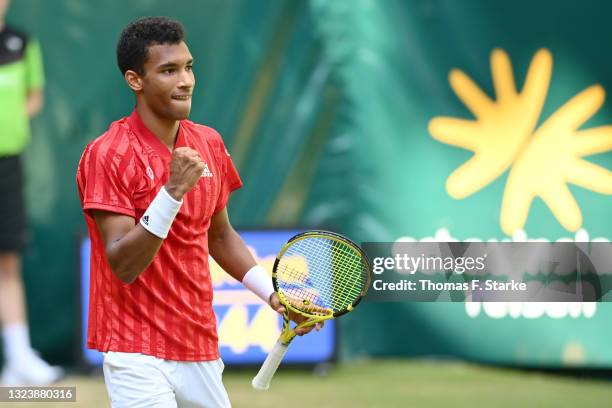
(21,97)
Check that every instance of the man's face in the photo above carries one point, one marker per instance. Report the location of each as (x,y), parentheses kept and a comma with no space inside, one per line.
(168,80)
(3,7)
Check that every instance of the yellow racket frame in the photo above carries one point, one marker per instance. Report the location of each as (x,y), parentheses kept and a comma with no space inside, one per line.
(288,334)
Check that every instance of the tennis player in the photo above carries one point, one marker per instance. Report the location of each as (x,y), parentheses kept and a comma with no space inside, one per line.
(153,189)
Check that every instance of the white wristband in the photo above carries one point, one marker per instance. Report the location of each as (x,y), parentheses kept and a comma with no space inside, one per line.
(161,212)
(258,281)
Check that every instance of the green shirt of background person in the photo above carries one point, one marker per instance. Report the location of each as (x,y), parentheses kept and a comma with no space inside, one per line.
(21,83)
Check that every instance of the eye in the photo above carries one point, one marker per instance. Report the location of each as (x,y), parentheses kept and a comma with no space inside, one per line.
(189,68)
(168,71)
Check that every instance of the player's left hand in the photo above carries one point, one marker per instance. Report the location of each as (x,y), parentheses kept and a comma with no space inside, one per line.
(294,317)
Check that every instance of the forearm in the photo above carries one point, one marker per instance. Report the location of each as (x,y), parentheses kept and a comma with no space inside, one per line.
(130,255)
(230,252)
(130,247)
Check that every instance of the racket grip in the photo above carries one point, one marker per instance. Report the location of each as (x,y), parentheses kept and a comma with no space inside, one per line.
(262,380)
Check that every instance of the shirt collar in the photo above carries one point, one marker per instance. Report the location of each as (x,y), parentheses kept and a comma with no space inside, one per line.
(143,133)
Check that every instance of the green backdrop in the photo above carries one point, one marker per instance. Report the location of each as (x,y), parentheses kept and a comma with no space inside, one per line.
(325,107)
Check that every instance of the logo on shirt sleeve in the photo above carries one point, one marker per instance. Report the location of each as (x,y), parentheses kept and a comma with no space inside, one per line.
(206,172)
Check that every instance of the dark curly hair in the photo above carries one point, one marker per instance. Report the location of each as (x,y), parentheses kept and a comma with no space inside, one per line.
(139,35)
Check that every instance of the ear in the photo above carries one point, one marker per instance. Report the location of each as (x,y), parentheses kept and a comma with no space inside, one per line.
(133,80)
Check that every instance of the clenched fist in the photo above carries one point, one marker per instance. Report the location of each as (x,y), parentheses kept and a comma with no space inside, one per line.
(186,168)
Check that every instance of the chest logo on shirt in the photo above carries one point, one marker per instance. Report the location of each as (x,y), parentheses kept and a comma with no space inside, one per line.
(150,173)
(206,172)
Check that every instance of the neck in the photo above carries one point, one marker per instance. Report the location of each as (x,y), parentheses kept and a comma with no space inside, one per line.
(165,129)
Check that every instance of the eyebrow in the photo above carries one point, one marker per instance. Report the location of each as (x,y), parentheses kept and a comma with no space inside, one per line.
(170,64)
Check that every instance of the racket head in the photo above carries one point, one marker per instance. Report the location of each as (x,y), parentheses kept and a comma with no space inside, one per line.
(321,275)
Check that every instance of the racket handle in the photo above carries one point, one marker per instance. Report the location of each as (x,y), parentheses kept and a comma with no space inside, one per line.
(262,380)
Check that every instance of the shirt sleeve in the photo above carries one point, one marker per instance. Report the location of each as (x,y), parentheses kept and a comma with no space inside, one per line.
(104,182)
(34,66)
(230,179)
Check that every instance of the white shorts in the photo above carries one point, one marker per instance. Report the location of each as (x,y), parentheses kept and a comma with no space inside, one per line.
(136,380)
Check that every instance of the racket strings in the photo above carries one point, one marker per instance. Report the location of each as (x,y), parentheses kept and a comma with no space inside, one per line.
(319,272)
(350,260)
(355,261)
(310,297)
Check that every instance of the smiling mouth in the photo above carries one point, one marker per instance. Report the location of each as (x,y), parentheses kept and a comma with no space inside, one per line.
(181,97)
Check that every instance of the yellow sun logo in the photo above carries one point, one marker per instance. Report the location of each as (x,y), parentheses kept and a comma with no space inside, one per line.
(503,135)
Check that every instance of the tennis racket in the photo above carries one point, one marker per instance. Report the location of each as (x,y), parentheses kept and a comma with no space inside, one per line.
(319,275)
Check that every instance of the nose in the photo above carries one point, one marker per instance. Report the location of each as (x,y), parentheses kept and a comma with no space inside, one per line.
(186,79)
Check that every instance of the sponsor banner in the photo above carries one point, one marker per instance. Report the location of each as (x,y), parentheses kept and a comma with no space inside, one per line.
(247,327)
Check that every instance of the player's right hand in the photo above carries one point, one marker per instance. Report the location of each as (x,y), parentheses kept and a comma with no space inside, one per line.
(186,167)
